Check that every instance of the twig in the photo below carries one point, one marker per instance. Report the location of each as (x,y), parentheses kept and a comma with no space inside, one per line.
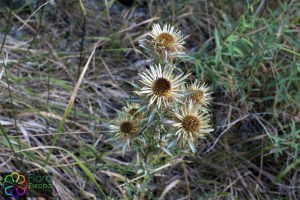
(34,13)
(228,127)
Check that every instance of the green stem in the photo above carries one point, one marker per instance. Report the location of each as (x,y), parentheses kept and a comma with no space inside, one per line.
(13,110)
(9,143)
(39,26)
(7,26)
(80,56)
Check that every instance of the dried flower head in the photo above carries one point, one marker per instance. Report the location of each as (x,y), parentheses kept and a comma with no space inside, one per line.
(161,86)
(191,124)
(124,127)
(132,109)
(164,43)
(199,93)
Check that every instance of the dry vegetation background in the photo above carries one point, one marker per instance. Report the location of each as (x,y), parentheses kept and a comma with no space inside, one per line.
(248,51)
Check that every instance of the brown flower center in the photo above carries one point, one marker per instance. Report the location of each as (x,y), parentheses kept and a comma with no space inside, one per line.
(134,112)
(191,123)
(165,39)
(161,87)
(197,96)
(127,127)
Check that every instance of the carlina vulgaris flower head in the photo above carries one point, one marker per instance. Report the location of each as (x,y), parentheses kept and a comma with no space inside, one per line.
(164,43)
(191,125)
(125,127)
(134,110)
(161,86)
(199,94)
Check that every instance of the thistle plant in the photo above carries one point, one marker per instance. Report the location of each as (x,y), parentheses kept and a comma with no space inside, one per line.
(169,110)
(164,44)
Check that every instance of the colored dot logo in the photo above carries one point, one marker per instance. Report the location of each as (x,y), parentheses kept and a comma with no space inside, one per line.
(15,185)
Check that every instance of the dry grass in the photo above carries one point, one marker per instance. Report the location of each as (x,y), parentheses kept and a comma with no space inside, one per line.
(253,154)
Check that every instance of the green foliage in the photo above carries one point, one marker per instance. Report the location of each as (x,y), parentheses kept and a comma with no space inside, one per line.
(256,63)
